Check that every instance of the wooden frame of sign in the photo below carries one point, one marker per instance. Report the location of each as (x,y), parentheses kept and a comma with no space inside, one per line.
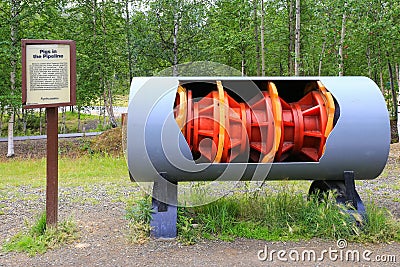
(48,73)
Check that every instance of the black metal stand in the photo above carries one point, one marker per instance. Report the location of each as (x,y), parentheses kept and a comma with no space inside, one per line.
(352,196)
(165,210)
(346,192)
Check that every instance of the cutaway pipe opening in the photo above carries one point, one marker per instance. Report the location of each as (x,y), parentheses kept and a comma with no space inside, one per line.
(255,121)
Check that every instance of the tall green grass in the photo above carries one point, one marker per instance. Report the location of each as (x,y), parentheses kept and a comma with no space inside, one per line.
(285,215)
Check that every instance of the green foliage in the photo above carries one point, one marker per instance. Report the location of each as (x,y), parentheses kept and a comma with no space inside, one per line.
(87,146)
(284,216)
(188,232)
(117,40)
(38,239)
(39,227)
(34,118)
(138,214)
(140,210)
(380,225)
(280,216)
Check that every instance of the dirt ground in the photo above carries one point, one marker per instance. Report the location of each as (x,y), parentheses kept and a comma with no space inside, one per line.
(103,239)
(103,243)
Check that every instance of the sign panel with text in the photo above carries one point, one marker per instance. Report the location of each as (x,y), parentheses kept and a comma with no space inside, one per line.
(48,73)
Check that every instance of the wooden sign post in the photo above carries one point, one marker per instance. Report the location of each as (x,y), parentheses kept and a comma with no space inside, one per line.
(49,81)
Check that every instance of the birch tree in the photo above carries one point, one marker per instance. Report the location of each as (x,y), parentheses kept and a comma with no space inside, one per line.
(262,40)
(297,41)
(14,27)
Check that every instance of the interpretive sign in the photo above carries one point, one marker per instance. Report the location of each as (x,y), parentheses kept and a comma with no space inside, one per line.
(48,73)
(49,81)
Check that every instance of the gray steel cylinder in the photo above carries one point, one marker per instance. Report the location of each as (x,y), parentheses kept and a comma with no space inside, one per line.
(359,141)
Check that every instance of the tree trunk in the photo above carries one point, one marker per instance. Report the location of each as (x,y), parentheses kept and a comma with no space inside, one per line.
(342,36)
(262,40)
(369,62)
(128,40)
(394,131)
(40,122)
(104,111)
(110,107)
(24,120)
(398,87)
(79,119)
(321,57)
(175,71)
(381,82)
(10,152)
(243,63)
(1,120)
(291,38)
(63,121)
(380,69)
(15,4)
(392,89)
(398,82)
(297,41)
(398,76)
(100,108)
(107,85)
(394,115)
(255,4)
(94,19)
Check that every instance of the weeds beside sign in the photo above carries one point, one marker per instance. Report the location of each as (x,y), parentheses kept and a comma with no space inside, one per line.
(48,73)
(49,81)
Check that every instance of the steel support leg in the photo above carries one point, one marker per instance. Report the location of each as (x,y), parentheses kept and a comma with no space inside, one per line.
(346,192)
(352,196)
(165,211)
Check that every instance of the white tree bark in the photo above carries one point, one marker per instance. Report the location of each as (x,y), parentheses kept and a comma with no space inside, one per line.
(297,41)
(262,40)
(1,120)
(291,37)
(255,4)
(10,152)
(13,30)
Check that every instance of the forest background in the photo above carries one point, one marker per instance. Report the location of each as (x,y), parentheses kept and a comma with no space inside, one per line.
(120,39)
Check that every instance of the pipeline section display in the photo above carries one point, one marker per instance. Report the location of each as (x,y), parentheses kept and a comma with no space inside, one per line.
(256,128)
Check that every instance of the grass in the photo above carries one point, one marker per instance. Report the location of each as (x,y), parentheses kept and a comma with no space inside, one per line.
(38,238)
(279,211)
(2,206)
(286,216)
(86,170)
(279,216)
(138,214)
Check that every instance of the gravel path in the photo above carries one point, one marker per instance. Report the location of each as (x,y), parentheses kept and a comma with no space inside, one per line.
(99,214)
